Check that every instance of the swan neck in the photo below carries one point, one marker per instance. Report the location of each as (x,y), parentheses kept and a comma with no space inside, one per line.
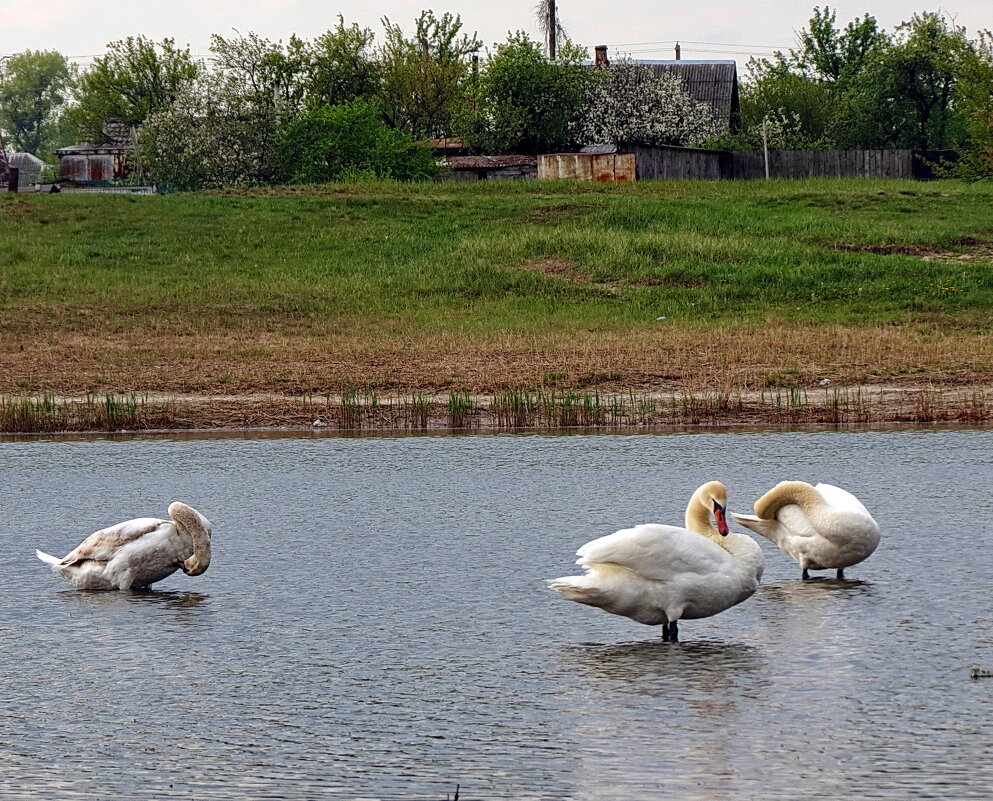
(789,492)
(699,514)
(195,525)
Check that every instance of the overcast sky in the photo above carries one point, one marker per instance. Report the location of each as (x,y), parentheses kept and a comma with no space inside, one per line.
(644,28)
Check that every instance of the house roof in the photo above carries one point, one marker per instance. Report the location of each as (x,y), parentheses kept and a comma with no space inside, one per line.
(712,82)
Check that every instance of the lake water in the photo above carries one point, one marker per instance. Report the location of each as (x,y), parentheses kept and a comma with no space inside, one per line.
(375,624)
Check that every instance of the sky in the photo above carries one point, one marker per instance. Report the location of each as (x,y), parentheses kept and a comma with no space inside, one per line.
(643,28)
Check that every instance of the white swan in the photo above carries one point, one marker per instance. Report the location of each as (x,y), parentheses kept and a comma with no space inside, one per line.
(822,527)
(657,574)
(137,553)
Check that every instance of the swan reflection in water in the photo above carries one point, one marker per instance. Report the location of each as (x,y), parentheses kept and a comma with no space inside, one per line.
(183,606)
(815,591)
(647,714)
(645,668)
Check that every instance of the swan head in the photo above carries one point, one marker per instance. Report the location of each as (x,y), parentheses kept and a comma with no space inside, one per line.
(713,498)
(198,527)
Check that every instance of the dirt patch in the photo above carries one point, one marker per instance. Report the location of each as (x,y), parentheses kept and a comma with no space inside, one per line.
(542,215)
(978,250)
(559,268)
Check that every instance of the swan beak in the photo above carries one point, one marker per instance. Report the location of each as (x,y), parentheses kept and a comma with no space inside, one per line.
(720,515)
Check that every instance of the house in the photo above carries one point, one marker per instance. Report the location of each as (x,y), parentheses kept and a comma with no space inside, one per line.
(712,82)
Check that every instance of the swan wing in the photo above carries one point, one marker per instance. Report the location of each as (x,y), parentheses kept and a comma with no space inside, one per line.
(842,500)
(101,545)
(656,552)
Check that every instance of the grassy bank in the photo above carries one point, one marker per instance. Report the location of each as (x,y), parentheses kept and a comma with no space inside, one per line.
(488,288)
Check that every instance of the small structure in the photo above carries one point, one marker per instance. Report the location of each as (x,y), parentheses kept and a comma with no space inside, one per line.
(491,168)
(29,167)
(113,160)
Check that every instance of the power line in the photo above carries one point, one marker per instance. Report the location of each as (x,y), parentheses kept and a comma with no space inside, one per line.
(767,48)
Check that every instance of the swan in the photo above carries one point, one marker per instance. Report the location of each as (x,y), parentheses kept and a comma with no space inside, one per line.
(822,527)
(136,553)
(657,574)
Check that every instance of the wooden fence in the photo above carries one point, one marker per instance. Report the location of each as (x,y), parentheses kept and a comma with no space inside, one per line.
(661,161)
(750,164)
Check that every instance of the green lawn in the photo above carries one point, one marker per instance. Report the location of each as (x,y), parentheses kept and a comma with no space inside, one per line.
(490,257)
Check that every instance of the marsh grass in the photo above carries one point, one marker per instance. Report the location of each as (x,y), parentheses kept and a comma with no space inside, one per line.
(46,413)
(512,409)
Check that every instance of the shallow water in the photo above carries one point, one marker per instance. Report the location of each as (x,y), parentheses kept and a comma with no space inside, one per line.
(375,624)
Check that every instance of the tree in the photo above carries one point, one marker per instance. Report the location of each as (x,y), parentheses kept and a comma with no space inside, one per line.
(425,77)
(215,134)
(526,100)
(628,103)
(974,100)
(132,81)
(271,73)
(829,54)
(35,86)
(816,90)
(327,143)
(918,75)
(343,67)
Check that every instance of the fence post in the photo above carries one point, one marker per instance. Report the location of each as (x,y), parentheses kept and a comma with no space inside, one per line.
(12,182)
(765,148)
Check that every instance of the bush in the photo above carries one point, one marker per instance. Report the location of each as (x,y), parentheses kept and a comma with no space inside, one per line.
(328,143)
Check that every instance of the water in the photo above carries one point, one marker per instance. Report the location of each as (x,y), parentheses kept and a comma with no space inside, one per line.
(375,624)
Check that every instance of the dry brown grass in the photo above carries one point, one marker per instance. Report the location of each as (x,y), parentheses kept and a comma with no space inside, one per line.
(663,357)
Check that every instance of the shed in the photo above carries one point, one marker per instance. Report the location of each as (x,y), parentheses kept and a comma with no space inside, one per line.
(114,158)
(88,162)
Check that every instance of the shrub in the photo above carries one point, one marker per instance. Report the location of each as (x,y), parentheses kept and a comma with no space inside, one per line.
(327,143)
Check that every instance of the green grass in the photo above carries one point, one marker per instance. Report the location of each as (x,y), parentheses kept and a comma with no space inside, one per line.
(408,259)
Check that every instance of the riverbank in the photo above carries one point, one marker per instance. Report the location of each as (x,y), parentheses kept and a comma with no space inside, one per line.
(507,410)
(642,304)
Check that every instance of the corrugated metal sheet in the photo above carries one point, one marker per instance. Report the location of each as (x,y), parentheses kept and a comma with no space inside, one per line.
(86,162)
(484,162)
(587,166)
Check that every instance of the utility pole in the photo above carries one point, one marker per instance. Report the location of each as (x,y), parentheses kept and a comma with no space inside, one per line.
(552,29)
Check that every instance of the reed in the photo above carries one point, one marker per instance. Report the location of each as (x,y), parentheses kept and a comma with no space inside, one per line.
(460,409)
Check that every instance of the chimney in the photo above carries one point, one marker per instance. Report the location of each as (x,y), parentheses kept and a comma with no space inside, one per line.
(678,51)
(601,56)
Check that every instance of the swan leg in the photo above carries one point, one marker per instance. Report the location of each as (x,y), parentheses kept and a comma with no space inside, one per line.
(841,573)
(805,575)
(670,632)
(665,632)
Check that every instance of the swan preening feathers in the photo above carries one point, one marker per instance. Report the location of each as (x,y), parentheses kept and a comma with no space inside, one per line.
(657,574)
(137,553)
(822,527)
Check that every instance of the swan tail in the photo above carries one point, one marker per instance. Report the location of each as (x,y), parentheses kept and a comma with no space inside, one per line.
(48,559)
(765,528)
(575,588)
